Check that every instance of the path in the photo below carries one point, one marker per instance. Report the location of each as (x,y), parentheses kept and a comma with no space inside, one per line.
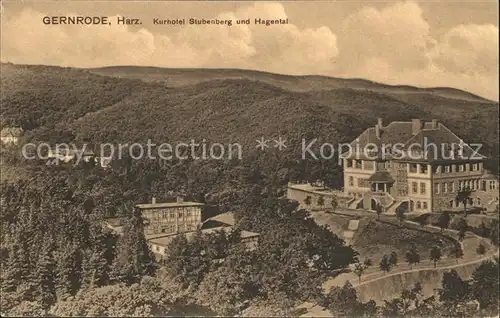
(373,273)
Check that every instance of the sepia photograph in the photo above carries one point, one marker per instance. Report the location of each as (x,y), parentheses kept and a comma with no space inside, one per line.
(249,158)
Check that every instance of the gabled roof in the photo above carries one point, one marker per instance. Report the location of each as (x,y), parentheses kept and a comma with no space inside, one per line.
(381,176)
(401,134)
(225,218)
(168,205)
(11,132)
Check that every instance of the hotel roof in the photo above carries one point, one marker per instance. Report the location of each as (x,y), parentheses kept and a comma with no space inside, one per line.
(400,132)
(168,205)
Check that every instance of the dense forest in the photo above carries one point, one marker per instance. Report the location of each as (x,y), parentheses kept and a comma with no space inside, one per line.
(58,259)
(64,104)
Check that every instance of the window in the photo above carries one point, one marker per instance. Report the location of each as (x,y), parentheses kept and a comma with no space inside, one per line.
(368,165)
(424,169)
(451,187)
(413,168)
(451,203)
(422,188)
(419,205)
(474,166)
(414,187)
(424,205)
(357,164)
(363,183)
(349,163)
(493,185)
(445,187)
(447,169)
(351,181)
(461,168)
(437,188)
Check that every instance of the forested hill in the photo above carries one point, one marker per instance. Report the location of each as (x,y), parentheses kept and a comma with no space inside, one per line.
(134,104)
(181,77)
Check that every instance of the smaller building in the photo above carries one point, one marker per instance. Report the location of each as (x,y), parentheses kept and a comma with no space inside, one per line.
(64,154)
(223,219)
(307,192)
(159,244)
(171,217)
(11,135)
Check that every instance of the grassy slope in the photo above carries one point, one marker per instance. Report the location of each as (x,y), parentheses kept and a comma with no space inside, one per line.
(377,239)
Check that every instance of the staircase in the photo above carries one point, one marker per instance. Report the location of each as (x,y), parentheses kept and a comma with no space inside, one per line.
(354,204)
(348,234)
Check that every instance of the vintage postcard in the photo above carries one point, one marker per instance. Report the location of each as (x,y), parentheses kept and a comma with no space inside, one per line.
(249,158)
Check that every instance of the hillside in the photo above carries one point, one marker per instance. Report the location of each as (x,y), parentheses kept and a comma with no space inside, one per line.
(181,77)
(172,105)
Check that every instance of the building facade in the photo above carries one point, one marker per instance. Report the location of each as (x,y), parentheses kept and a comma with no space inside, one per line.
(159,244)
(171,217)
(11,135)
(417,166)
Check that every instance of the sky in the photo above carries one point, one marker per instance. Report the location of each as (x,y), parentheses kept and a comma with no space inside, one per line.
(420,43)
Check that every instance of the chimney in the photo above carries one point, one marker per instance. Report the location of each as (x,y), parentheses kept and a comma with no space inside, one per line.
(434,124)
(378,128)
(153,200)
(416,126)
(180,199)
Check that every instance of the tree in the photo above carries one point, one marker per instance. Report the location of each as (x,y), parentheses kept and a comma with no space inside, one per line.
(308,201)
(444,220)
(385,264)
(462,228)
(368,262)
(335,203)
(321,201)
(483,230)
(45,273)
(343,300)
(133,258)
(435,254)
(464,197)
(457,252)
(378,210)
(401,306)
(423,220)
(186,260)
(485,283)
(412,257)
(494,232)
(400,214)
(359,269)
(393,258)
(481,249)
(454,290)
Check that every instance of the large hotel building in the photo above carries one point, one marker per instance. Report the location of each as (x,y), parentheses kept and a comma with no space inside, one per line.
(418,166)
